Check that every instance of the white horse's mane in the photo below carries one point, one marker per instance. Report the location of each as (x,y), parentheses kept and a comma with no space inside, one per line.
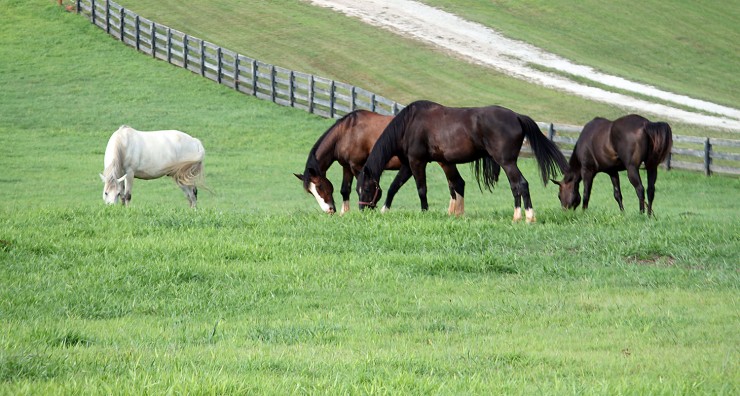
(114,169)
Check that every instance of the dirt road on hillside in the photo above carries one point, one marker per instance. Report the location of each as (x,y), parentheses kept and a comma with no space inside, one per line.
(482,45)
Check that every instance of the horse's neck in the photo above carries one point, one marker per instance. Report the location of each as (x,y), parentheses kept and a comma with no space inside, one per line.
(325,153)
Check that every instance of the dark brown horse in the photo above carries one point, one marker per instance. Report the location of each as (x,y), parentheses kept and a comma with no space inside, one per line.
(613,146)
(348,142)
(491,136)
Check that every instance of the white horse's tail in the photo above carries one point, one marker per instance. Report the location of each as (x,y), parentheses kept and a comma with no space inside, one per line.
(188,174)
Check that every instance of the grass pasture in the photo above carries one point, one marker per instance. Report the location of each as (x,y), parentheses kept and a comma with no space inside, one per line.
(257,292)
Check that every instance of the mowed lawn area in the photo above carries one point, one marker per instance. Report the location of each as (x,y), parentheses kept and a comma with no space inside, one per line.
(258,292)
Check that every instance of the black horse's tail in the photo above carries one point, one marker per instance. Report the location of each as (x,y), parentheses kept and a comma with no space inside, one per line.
(549,158)
(486,169)
(661,139)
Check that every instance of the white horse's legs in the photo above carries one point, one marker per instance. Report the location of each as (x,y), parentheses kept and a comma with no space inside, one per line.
(128,184)
(191,193)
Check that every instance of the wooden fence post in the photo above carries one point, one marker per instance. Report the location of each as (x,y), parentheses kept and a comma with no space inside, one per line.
(107,16)
(122,24)
(353,99)
(202,58)
(310,94)
(78,6)
(153,30)
(185,51)
(273,83)
(668,161)
(137,32)
(169,45)
(707,157)
(332,88)
(220,64)
(92,11)
(291,88)
(236,72)
(372,102)
(551,132)
(254,77)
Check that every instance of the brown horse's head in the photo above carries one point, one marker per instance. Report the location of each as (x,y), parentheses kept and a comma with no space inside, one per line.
(569,196)
(368,190)
(321,188)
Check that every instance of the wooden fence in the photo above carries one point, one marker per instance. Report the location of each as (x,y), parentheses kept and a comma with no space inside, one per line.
(329,98)
(708,155)
(317,95)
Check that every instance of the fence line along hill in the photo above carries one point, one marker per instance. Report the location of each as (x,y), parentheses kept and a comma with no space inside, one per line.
(326,97)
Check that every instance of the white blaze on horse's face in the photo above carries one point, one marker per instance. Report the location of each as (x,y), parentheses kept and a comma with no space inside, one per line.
(325,206)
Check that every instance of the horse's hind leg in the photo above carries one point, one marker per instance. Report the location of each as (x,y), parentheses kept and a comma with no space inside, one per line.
(617,190)
(520,190)
(633,173)
(191,193)
(457,189)
(652,175)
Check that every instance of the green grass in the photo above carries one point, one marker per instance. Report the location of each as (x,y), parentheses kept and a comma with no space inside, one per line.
(688,47)
(405,70)
(258,292)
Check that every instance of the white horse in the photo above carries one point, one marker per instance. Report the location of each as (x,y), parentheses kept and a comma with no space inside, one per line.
(149,155)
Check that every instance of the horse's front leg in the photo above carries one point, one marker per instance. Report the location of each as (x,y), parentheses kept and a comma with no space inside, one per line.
(403,175)
(457,189)
(128,184)
(418,170)
(520,190)
(346,189)
(633,173)
(588,182)
(617,190)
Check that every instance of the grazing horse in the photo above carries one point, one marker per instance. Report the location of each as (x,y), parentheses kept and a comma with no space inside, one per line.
(613,146)
(149,155)
(491,136)
(348,142)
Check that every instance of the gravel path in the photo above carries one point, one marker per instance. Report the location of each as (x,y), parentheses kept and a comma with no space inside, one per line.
(482,45)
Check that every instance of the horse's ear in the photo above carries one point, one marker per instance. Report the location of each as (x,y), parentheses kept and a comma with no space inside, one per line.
(555,181)
(300,177)
(102,177)
(121,179)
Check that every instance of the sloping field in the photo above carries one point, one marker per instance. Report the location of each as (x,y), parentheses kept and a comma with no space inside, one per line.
(347,50)
(257,292)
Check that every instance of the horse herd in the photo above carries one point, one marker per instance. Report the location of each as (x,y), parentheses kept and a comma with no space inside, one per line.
(366,143)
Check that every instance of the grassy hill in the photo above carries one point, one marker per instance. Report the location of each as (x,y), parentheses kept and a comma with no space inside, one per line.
(348,50)
(257,292)
(687,47)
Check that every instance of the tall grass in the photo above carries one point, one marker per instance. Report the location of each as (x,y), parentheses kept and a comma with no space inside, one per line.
(259,292)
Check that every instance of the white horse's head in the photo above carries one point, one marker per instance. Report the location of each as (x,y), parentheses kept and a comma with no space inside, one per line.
(112,188)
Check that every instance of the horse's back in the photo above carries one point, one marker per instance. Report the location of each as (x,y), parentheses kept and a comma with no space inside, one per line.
(152,154)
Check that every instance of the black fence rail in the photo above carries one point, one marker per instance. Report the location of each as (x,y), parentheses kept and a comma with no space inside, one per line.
(329,98)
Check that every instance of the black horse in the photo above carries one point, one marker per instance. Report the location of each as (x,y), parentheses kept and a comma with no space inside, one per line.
(613,146)
(491,136)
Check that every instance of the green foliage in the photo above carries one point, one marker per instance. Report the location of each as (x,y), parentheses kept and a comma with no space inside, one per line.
(257,292)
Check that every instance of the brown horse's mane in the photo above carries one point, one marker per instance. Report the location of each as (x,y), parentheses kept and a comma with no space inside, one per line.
(312,164)
(387,144)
